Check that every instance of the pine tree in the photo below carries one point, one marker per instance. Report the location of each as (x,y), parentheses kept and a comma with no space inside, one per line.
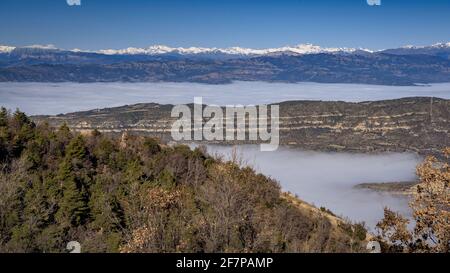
(74,209)
(4,134)
(3,117)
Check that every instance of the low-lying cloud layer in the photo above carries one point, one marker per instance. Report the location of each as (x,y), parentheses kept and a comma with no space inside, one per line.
(328,179)
(56,98)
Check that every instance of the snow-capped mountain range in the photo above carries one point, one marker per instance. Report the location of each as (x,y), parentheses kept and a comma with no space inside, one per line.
(399,66)
(238,51)
(161,49)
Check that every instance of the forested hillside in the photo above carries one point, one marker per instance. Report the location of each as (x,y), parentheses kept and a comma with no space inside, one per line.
(134,194)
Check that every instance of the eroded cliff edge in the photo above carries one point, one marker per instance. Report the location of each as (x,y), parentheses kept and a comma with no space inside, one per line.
(417,124)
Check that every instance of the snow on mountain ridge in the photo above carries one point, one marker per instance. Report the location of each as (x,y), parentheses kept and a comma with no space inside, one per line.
(238,51)
(161,49)
(48,47)
(441,45)
(437,45)
(6,49)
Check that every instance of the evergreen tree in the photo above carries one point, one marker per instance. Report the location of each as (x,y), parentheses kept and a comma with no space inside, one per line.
(74,209)
(3,117)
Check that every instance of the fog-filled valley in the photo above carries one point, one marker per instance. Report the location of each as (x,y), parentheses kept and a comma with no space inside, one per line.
(320,178)
(328,179)
(56,98)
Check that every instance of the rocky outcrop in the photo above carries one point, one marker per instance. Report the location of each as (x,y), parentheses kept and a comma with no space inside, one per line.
(410,124)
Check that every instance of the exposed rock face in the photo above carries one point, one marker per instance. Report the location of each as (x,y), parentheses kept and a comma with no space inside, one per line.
(409,124)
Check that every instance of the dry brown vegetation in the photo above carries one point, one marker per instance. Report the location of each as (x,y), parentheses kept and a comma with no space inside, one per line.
(134,194)
(431,212)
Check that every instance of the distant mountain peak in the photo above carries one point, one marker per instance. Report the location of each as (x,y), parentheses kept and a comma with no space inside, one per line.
(6,49)
(436,45)
(441,45)
(49,46)
(229,52)
(162,49)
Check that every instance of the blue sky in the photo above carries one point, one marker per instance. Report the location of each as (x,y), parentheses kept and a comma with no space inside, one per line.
(98,24)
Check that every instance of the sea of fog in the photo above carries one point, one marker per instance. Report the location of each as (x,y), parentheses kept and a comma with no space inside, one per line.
(323,179)
(56,98)
(328,179)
